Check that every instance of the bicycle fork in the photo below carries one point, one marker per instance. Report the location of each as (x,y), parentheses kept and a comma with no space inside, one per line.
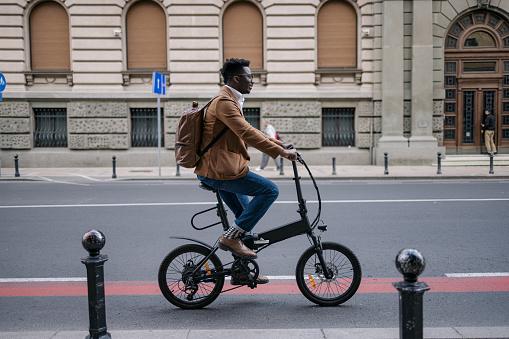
(319,252)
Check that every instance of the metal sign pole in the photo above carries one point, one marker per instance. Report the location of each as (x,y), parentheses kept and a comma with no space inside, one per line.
(159,88)
(159,133)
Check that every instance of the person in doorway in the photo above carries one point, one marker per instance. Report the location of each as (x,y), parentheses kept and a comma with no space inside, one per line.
(225,166)
(269,131)
(489,132)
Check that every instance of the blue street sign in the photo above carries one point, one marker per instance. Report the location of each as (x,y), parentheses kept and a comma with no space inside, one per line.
(3,83)
(158,83)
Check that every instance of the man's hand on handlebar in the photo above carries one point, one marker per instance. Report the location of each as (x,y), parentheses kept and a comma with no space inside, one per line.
(290,153)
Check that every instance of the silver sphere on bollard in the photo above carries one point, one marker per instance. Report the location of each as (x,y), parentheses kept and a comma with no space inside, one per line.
(93,241)
(410,263)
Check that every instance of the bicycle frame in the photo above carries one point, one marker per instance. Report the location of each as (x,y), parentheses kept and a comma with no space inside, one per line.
(272,236)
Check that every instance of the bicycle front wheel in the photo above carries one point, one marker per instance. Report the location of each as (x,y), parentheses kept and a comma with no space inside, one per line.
(184,287)
(345,280)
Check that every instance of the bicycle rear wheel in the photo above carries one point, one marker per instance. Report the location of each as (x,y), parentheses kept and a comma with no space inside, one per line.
(316,287)
(184,289)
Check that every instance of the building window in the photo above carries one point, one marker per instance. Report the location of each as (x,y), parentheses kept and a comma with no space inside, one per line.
(146,36)
(480,40)
(50,127)
(338,128)
(252,116)
(243,33)
(480,66)
(144,127)
(337,35)
(49,38)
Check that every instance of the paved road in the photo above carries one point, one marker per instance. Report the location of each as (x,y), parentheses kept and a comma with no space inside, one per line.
(460,227)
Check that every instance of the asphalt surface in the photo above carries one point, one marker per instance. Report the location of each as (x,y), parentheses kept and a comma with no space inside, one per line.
(458,225)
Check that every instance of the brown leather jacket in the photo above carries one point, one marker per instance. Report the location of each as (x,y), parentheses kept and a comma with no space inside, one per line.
(228,159)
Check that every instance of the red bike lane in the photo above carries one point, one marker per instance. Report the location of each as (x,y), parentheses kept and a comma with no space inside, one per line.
(138,288)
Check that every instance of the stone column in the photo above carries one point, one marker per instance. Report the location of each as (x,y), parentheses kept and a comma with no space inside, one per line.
(422,143)
(392,139)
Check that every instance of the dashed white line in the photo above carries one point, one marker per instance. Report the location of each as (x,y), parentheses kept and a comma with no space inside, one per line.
(474,275)
(18,280)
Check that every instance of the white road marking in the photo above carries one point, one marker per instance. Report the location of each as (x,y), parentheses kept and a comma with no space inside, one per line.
(473,275)
(90,178)
(197,203)
(18,280)
(271,277)
(62,182)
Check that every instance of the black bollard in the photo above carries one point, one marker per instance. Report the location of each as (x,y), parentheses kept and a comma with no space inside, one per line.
(114,165)
(16,166)
(177,173)
(410,263)
(439,163)
(386,163)
(334,166)
(491,164)
(93,241)
(281,170)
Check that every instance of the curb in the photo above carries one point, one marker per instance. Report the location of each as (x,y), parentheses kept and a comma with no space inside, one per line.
(321,178)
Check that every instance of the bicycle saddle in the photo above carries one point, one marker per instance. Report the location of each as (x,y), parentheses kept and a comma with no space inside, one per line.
(207,187)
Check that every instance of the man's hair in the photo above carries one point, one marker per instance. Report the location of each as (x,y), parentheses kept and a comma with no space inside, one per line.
(233,67)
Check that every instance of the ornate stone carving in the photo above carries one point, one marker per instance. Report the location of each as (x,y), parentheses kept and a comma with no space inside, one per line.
(49,78)
(483,3)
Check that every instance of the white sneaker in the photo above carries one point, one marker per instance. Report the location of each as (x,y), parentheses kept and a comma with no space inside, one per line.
(258,169)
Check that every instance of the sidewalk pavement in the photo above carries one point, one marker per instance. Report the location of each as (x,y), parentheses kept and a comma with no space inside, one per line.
(318,333)
(320,172)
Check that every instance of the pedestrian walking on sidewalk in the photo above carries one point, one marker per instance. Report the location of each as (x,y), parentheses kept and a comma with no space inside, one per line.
(225,166)
(269,131)
(489,126)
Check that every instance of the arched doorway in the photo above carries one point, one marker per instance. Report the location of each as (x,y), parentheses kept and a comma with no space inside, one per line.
(476,78)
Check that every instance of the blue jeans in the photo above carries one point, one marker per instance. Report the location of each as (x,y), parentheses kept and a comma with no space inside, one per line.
(235,194)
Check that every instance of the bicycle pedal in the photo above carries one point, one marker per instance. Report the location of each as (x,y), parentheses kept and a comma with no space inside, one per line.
(261,241)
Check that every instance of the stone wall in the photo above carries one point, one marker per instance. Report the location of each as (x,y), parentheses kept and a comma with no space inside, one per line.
(98,125)
(15,125)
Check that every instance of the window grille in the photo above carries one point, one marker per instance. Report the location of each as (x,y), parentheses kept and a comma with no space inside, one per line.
(338,128)
(50,127)
(144,127)
(252,116)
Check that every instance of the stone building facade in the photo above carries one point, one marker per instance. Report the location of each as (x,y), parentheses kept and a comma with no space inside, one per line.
(350,77)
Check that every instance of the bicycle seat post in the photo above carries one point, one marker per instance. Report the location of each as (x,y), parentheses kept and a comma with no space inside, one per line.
(221,212)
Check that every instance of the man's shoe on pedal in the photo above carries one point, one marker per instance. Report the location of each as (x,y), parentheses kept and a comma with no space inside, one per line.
(237,247)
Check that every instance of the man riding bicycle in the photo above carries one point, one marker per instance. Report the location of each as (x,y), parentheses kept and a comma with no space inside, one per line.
(225,166)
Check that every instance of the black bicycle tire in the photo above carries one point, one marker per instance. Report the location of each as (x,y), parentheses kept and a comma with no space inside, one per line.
(163,268)
(356,280)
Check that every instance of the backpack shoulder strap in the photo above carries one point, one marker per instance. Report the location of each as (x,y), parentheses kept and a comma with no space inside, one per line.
(217,137)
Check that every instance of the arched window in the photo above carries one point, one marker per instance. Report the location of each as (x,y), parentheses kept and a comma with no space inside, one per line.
(337,35)
(49,37)
(243,33)
(480,39)
(146,36)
